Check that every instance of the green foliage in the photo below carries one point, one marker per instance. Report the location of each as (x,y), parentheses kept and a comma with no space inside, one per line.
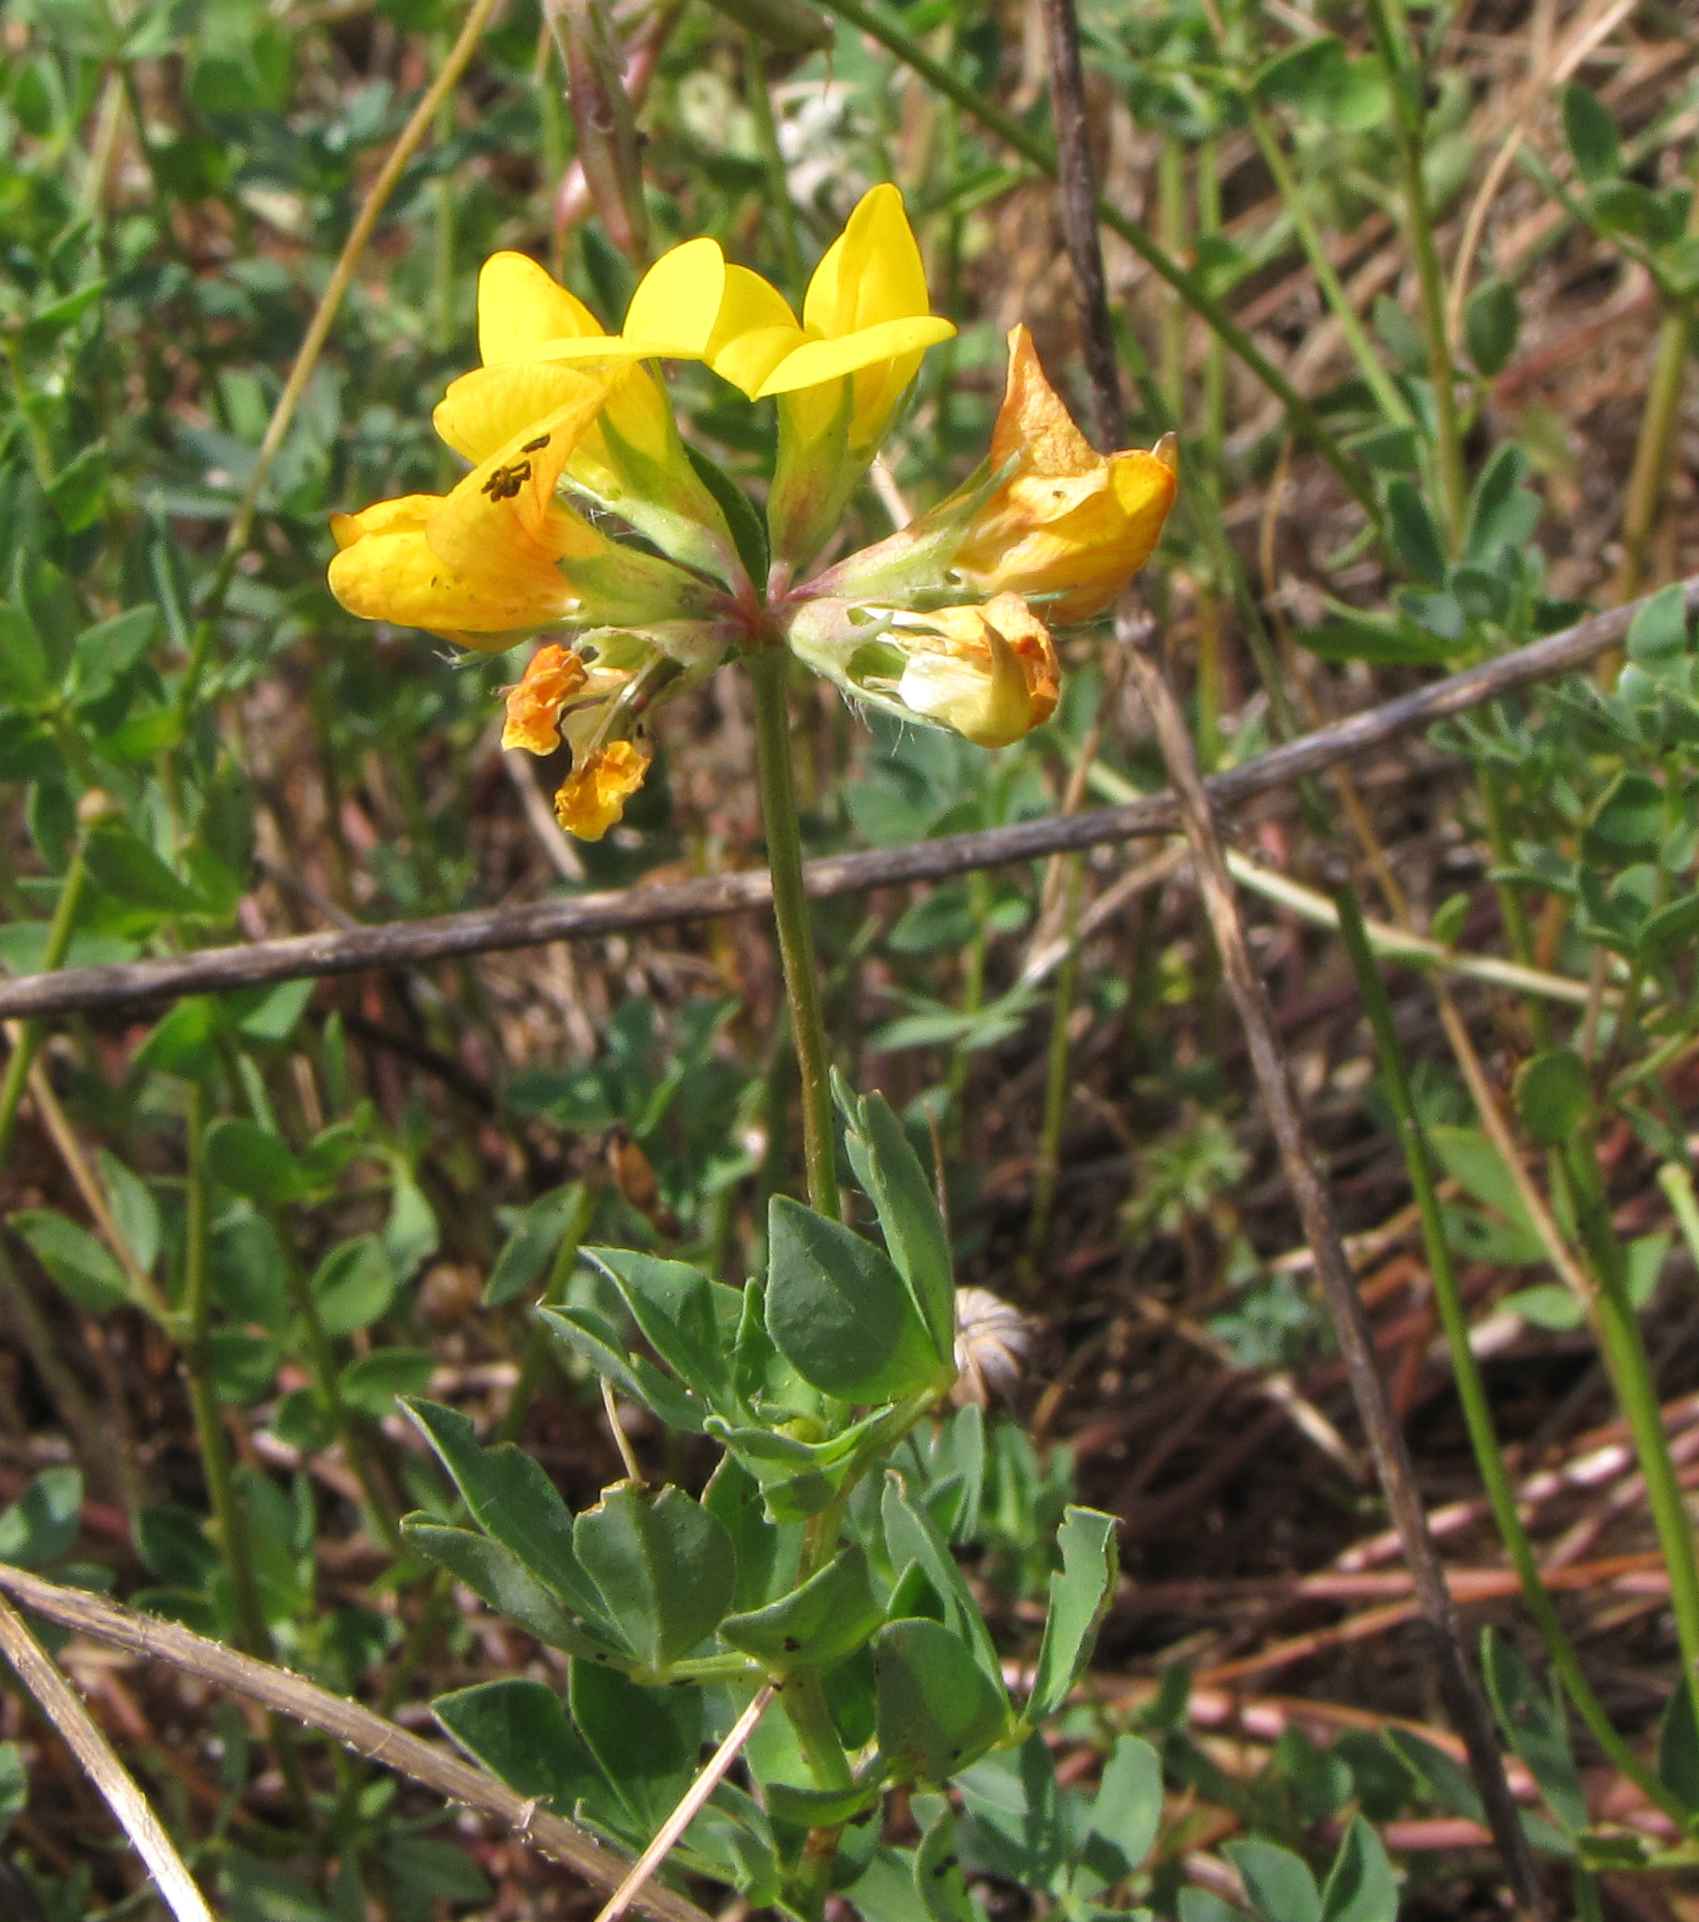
(315,1199)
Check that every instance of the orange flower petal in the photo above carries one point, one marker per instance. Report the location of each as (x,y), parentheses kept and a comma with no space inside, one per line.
(592,798)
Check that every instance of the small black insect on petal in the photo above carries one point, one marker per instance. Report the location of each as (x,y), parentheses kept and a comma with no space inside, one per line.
(535,446)
(505,482)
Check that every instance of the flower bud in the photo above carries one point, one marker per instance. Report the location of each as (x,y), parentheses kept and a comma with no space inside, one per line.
(987,672)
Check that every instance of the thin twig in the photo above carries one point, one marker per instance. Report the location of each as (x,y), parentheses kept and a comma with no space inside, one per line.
(347,1722)
(713,1770)
(63,1707)
(1310,1196)
(489,930)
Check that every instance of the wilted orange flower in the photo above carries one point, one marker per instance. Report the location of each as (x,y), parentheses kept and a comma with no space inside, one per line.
(593,797)
(552,677)
(1069,524)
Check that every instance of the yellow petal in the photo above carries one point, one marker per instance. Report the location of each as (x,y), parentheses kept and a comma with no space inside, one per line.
(407,512)
(677,301)
(503,515)
(753,331)
(553,675)
(1069,525)
(521,305)
(593,797)
(989,672)
(640,413)
(816,361)
(871,272)
(387,571)
(484,410)
(1033,423)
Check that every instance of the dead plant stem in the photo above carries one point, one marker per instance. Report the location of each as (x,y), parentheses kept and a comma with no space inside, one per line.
(1309,1193)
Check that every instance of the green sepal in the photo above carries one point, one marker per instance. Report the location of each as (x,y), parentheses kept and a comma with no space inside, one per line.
(667,503)
(832,1612)
(813,478)
(664,1566)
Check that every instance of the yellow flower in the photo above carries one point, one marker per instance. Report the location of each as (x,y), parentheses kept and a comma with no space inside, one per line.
(866,315)
(989,672)
(593,797)
(1068,524)
(499,556)
(482,563)
(553,675)
(538,341)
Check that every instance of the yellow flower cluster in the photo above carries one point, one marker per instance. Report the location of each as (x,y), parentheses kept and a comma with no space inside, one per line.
(944,622)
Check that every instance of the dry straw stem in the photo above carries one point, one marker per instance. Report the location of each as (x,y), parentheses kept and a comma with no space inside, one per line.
(713,1772)
(62,1706)
(403,944)
(1310,1196)
(356,1728)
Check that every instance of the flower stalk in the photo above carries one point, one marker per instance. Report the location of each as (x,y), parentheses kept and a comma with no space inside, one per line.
(769,674)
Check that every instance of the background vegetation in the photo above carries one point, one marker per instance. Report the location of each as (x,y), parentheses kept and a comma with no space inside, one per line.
(238,1225)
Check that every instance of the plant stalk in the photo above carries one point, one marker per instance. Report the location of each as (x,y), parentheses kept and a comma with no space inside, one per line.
(25,1037)
(1631,1376)
(769,669)
(1471,1390)
(1298,1159)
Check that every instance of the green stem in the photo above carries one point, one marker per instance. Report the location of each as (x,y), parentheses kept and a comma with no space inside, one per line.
(1471,1390)
(1387,396)
(321,1365)
(1042,154)
(1657,429)
(1410,115)
(229,1521)
(1056,1066)
(769,669)
(773,160)
(28,1033)
(1631,1376)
